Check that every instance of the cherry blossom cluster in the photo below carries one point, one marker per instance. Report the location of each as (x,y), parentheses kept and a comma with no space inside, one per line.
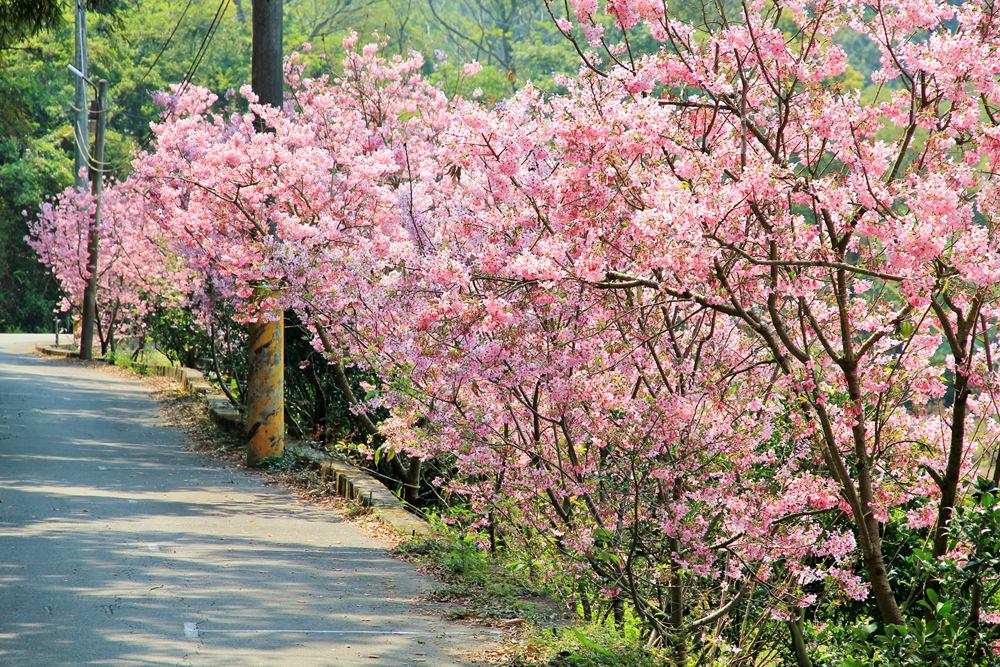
(136,272)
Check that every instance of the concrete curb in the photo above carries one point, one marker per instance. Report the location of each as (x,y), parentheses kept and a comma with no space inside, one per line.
(355,484)
(347,479)
(54,351)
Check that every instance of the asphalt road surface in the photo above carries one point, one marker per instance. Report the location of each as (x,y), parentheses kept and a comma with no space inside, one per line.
(118,546)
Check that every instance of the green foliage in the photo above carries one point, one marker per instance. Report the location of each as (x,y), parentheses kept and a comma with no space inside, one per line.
(314,407)
(177,334)
(490,84)
(21,19)
(587,646)
(941,634)
(35,161)
(137,359)
(950,596)
(506,584)
(544,55)
(280,462)
(490,586)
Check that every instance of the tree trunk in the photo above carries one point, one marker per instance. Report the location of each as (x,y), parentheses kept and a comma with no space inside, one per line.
(798,642)
(956,449)
(618,610)
(885,599)
(678,638)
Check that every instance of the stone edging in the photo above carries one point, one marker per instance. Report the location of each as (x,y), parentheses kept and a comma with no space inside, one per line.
(54,351)
(347,479)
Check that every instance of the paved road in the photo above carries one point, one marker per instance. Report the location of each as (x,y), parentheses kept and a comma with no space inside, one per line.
(120,547)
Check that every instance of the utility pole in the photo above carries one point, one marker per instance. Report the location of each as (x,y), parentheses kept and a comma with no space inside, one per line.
(81,134)
(81,130)
(266,383)
(93,236)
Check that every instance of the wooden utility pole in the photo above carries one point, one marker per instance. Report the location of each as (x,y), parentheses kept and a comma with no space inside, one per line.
(93,232)
(81,134)
(266,383)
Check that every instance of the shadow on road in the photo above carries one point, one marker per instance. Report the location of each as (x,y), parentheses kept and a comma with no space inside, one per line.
(119,546)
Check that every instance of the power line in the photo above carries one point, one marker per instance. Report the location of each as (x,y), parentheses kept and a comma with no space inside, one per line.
(166,43)
(195,62)
(90,161)
(203,48)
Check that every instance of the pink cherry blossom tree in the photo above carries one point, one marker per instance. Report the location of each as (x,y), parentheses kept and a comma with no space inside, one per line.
(695,330)
(136,273)
(853,239)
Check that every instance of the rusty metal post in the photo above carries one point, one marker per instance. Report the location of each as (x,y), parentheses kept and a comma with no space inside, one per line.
(266,391)
(266,383)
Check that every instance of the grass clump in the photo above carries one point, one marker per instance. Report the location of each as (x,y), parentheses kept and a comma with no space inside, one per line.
(501,588)
(591,645)
(287,462)
(483,586)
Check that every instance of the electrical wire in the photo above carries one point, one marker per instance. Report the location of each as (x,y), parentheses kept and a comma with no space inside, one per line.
(91,161)
(195,62)
(185,83)
(203,49)
(166,43)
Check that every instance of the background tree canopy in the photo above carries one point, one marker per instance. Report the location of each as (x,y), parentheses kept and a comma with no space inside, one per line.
(143,47)
(129,46)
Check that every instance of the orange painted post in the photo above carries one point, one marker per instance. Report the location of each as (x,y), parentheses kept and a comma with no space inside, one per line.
(266,390)
(266,383)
